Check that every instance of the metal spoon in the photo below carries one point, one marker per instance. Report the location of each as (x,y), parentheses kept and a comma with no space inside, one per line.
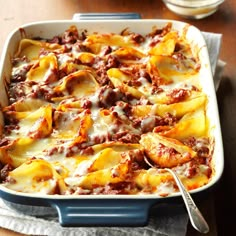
(196,218)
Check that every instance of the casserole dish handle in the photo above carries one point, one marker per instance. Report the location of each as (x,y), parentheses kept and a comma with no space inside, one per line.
(103,212)
(107,16)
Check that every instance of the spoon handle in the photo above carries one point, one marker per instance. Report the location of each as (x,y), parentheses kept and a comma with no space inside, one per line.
(196,218)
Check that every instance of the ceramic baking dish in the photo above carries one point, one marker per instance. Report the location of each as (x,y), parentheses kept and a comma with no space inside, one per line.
(109,209)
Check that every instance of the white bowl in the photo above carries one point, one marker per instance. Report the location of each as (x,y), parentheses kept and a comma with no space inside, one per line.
(194,9)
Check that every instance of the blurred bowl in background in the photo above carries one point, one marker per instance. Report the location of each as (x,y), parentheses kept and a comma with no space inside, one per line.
(193,9)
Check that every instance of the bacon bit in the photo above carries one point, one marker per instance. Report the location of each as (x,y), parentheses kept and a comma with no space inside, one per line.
(70,151)
(21,75)
(161,32)
(100,138)
(178,95)
(4,142)
(126,137)
(55,150)
(164,150)
(192,171)
(156,89)
(87,151)
(138,38)
(108,96)
(112,62)
(16,60)
(201,146)
(157,123)
(55,39)
(105,51)
(86,104)
(157,81)
(81,48)
(70,36)
(5,171)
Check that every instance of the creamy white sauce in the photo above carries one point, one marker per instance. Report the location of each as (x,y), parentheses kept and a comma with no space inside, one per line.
(83,168)
(74,181)
(165,188)
(64,58)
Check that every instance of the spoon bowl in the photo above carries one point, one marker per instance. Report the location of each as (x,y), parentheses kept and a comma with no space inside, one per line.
(196,218)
